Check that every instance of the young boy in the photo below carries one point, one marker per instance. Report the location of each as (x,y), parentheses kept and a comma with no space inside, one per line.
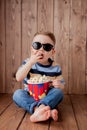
(41,63)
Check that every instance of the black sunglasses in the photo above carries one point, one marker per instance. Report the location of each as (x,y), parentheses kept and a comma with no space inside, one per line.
(38,45)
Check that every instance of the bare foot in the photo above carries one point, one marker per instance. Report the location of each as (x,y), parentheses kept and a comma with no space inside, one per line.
(54,114)
(42,113)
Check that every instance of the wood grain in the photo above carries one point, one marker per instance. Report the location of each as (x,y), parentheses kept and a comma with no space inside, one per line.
(61,31)
(45,15)
(5,101)
(13,43)
(86,42)
(80,109)
(11,118)
(29,25)
(2,46)
(77,47)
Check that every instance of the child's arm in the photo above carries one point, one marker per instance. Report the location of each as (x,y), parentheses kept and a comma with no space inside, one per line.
(23,71)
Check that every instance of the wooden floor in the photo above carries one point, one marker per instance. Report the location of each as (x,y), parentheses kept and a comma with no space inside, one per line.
(72,115)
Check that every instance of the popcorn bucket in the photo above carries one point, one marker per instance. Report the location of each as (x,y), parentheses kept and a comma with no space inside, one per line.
(38,91)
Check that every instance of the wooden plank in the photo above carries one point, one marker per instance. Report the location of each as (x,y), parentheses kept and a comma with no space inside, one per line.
(1,94)
(11,118)
(80,108)
(84,36)
(86,72)
(61,31)
(86,47)
(45,15)
(77,47)
(13,43)
(68,121)
(5,101)
(29,25)
(28,125)
(2,46)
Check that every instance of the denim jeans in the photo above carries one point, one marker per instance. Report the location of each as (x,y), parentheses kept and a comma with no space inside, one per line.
(27,102)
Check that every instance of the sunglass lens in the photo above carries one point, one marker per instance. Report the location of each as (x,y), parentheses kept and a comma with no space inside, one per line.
(47,47)
(36,45)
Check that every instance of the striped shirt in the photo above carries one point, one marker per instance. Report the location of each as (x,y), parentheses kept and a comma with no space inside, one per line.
(52,71)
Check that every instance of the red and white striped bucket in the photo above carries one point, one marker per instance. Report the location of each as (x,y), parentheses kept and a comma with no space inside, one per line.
(38,91)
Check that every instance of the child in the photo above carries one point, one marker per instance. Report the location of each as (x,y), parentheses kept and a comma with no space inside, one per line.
(41,63)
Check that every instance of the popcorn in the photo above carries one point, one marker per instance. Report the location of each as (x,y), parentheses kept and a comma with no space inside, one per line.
(38,79)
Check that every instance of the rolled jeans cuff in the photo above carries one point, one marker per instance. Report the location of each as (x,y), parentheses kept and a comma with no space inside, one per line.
(33,105)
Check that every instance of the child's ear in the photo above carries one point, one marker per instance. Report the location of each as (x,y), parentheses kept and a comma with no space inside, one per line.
(53,52)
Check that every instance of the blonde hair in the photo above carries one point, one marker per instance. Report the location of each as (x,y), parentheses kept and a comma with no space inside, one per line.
(49,34)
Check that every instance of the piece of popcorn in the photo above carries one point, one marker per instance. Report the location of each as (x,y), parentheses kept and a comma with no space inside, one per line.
(38,79)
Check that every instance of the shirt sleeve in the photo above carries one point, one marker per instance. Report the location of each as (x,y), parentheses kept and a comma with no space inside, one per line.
(60,77)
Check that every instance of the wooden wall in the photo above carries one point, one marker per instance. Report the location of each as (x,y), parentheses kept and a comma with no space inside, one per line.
(20,19)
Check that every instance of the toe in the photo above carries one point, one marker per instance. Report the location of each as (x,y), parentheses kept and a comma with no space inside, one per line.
(48,114)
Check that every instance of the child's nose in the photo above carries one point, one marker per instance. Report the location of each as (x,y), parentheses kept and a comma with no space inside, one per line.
(41,48)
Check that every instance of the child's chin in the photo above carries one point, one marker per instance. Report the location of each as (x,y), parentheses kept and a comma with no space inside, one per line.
(41,60)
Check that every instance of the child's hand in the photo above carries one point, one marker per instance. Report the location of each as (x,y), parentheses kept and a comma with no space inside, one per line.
(35,57)
(57,84)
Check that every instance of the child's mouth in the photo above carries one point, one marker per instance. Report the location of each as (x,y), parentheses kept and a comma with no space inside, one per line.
(42,56)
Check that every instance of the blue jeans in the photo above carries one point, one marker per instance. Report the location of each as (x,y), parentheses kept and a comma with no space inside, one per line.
(27,102)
